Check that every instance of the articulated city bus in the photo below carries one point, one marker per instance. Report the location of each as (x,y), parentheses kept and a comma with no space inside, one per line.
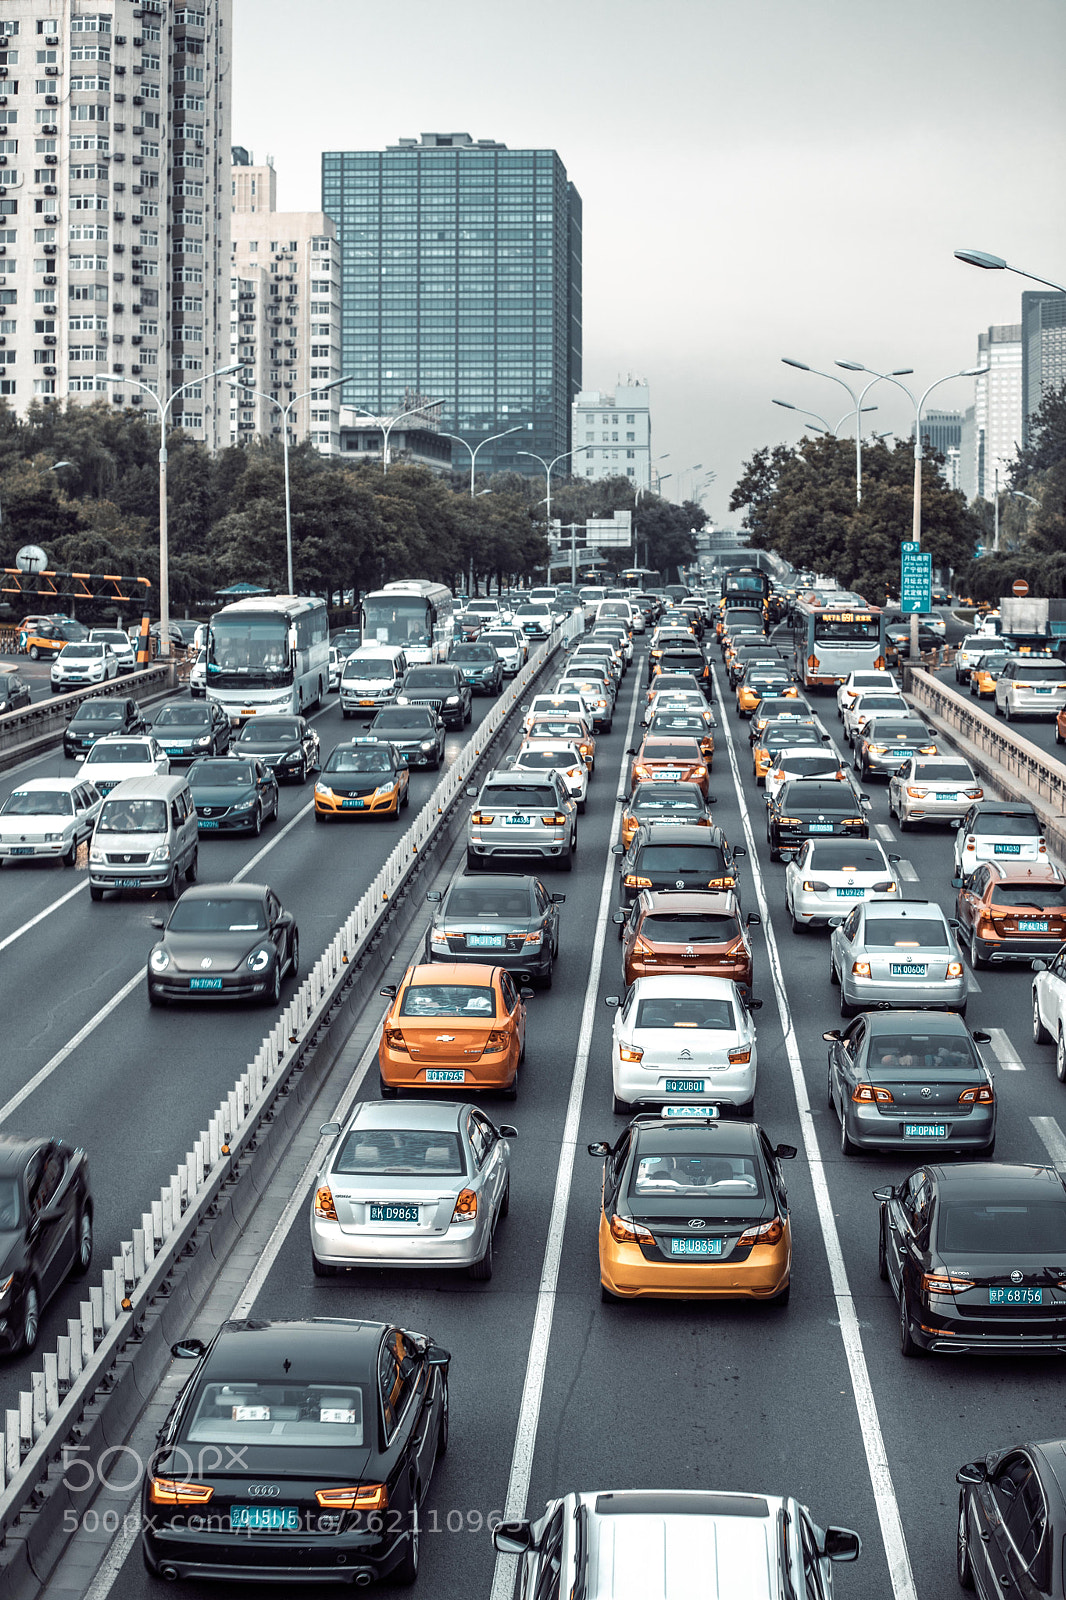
(416,616)
(269,653)
(831,640)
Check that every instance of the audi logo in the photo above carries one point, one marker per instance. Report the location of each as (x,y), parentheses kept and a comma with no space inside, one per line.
(266,1491)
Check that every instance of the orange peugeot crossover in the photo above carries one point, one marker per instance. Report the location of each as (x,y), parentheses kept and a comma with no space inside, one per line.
(686,931)
(453,1026)
(662,760)
(1011,911)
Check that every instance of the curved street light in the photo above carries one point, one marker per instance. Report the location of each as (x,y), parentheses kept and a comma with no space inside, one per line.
(386,428)
(981,258)
(474,448)
(856,401)
(548,467)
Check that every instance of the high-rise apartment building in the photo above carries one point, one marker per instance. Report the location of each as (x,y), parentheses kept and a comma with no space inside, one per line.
(1043,334)
(612,434)
(114,244)
(461,274)
(285,313)
(989,439)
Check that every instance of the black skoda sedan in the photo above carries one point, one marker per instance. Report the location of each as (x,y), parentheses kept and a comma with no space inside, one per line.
(976,1257)
(298,1452)
(46,1230)
(505,919)
(224,941)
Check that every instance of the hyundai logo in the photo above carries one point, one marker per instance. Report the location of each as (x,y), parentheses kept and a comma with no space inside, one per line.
(696,1222)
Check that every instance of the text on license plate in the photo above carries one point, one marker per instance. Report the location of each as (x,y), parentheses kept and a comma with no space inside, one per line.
(283,1519)
(849,894)
(821,827)
(351,805)
(22,849)
(901,753)
(1007,849)
(445,1075)
(670,773)
(695,1247)
(394,1213)
(205,983)
(485,941)
(128,883)
(1032,926)
(908,969)
(1016,1297)
(949,796)
(518,822)
(1043,691)
(207,822)
(925,1130)
(173,749)
(685,1085)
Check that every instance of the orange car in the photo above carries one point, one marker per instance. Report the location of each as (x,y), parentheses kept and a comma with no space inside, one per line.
(694,1208)
(453,1026)
(693,931)
(756,686)
(664,802)
(681,722)
(668,760)
(1060,727)
(1011,912)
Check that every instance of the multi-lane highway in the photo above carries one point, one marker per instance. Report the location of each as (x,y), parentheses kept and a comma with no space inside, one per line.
(551,1389)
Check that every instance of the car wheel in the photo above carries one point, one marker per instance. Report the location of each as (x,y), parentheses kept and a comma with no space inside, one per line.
(512,1092)
(1059,739)
(847,1147)
(907,1346)
(95,893)
(257,821)
(581,808)
(406,801)
(472,862)
(830,1102)
(566,863)
(273,994)
(173,889)
(345,714)
(406,1573)
(387,1090)
(904,823)
(468,715)
(833,979)
(797,925)
(977,961)
(322,1269)
(301,776)
(34,653)
(1060,1056)
(83,1259)
(1007,711)
(963,1566)
(1040,1033)
(621,1108)
(505,1203)
(482,1269)
(193,868)
(294,954)
(31,1320)
(72,854)
(547,977)
(442,1431)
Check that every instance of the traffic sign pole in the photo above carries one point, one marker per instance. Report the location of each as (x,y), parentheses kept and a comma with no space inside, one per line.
(915,586)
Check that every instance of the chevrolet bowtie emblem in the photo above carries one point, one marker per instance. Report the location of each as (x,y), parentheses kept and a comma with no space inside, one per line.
(446,1038)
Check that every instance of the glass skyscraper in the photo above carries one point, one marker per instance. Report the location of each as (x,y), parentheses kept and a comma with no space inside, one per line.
(461,283)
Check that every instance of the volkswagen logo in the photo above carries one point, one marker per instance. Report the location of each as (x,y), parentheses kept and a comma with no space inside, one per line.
(927,1094)
(696,1222)
(850,882)
(206,962)
(1016,1276)
(679,883)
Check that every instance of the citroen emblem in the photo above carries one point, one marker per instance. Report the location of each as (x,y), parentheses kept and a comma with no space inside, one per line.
(206,962)
(446,1038)
(927,1094)
(1016,1276)
(686,1055)
(696,1222)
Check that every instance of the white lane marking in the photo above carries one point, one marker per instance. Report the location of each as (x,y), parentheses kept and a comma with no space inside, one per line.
(972,985)
(503,1578)
(888,1512)
(1054,1140)
(1005,1052)
(71,1045)
(884,832)
(906,871)
(41,915)
(118,1553)
(277,838)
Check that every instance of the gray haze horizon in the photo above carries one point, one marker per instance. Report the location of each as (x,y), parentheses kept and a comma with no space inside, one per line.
(759,179)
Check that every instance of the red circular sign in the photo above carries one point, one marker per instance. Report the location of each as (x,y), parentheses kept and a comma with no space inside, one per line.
(1019,586)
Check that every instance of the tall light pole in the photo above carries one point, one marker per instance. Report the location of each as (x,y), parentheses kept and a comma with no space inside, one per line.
(981,258)
(856,402)
(548,469)
(387,427)
(163,407)
(474,448)
(319,388)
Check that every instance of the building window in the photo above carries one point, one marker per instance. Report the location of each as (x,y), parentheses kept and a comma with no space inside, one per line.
(631,437)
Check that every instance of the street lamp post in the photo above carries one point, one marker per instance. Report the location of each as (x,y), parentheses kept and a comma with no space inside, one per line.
(981,258)
(548,467)
(825,428)
(474,448)
(319,388)
(387,427)
(163,407)
(856,402)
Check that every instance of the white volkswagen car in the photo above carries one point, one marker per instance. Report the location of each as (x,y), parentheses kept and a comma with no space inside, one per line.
(81,663)
(117,757)
(1026,687)
(546,755)
(933,789)
(829,874)
(684,1039)
(48,817)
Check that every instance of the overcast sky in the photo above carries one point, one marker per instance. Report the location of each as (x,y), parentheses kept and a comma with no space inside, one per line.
(760,177)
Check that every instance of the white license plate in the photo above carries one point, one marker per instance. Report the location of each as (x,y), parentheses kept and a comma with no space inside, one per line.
(445,1075)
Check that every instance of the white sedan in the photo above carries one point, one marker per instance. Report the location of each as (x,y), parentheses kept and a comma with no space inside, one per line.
(933,789)
(805,761)
(78,664)
(509,645)
(118,644)
(547,755)
(570,703)
(1049,1008)
(828,874)
(117,757)
(48,817)
(686,1040)
(855,682)
(872,703)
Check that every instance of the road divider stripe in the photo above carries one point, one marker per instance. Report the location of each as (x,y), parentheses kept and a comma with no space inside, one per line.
(884,832)
(42,915)
(1052,1137)
(900,1573)
(1005,1052)
(906,871)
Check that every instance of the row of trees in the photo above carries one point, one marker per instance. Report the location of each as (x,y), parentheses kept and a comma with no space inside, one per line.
(354,527)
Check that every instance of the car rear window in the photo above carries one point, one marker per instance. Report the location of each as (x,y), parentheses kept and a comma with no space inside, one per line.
(449,1000)
(1045,896)
(1033,671)
(917,1057)
(947,772)
(1022,1228)
(121,754)
(659,858)
(1007,825)
(248,1413)
(689,927)
(905,933)
(671,750)
(395,1152)
(403,717)
(806,794)
(692,1173)
(488,900)
(430,678)
(714,1016)
(517,797)
(844,855)
(892,732)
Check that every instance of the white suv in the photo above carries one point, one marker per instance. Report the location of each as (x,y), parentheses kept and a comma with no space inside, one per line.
(80,663)
(1049,1008)
(994,830)
(1026,686)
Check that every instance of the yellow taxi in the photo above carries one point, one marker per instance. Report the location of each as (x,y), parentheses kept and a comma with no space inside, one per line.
(755,686)
(983,676)
(453,1025)
(365,777)
(694,1208)
(777,735)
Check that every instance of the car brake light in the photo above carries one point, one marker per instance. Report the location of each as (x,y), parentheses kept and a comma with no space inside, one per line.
(974,794)
(362,1497)
(465,1205)
(632,880)
(175,1492)
(886,886)
(954,969)
(628,1232)
(982,1095)
(814,886)
(927,750)
(641,947)
(629,1053)
(771,1232)
(860,969)
(739,1058)
(554,819)
(535,937)
(497,1040)
(324,1205)
(641,772)
(482,819)
(394,1039)
(971,842)
(870,1094)
(917,794)
(944,1283)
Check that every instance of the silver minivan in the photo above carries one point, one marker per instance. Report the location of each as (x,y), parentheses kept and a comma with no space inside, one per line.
(145,837)
(371,678)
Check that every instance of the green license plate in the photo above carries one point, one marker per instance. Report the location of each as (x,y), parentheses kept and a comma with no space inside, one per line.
(925,1130)
(1016,1297)
(1007,849)
(907,969)
(821,827)
(127,883)
(351,805)
(22,849)
(205,983)
(849,894)
(485,941)
(386,1213)
(695,1247)
(1028,925)
(281,1519)
(445,1075)
(685,1085)
(949,796)
(207,822)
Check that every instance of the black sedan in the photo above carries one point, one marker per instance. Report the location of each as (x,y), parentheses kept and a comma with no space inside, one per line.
(224,941)
(479,666)
(1012,1517)
(441,689)
(976,1257)
(504,919)
(807,808)
(681,856)
(901,1079)
(187,729)
(417,732)
(288,745)
(233,796)
(315,1445)
(14,693)
(96,718)
(46,1230)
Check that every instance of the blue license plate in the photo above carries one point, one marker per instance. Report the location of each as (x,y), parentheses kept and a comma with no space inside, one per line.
(205,983)
(386,1213)
(22,850)
(351,805)
(1030,925)
(174,749)
(902,754)
(485,941)
(252,1519)
(908,969)
(695,1247)
(685,1085)
(1043,691)
(849,894)
(445,1075)
(821,827)
(925,1130)
(1016,1297)
(1007,849)
(207,822)
(127,883)
(949,796)
(518,822)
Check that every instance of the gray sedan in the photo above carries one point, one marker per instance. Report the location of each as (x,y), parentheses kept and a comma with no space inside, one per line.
(897,953)
(417,1183)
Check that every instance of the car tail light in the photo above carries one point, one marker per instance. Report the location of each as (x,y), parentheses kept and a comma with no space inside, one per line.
(498,1039)
(628,1232)
(771,1232)
(814,886)
(641,947)
(981,1095)
(324,1205)
(944,1283)
(971,842)
(465,1206)
(927,750)
(1041,846)
(871,1094)
(176,1492)
(699,772)
(789,822)
(362,1497)
(553,819)
(632,880)
(860,969)
(854,822)
(739,1058)
(394,1039)
(880,663)
(974,794)
(629,1053)
(438,936)
(482,819)
(721,883)
(536,937)
(886,886)
(641,772)
(586,750)
(917,794)
(877,749)
(954,969)
(813,663)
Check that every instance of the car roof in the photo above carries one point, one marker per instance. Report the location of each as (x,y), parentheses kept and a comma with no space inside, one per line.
(232,891)
(690,901)
(494,880)
(1044,872)
(723,1136)
(320,1350)
(879,910)
(474,973)
(687,833)
(57,785)
(684,985)
(973,1180)
(995,808)
(421,1114)
(900,1020)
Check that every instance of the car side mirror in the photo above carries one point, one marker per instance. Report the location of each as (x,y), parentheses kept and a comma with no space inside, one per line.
(188,1349)
(785,1152)
(835,922)
(979,1036)
(755,1005)
(894,859)
(330,1130)
(753,920)
(599,1149)
(831,1034)
(434,895)
(864,800)
(513,1538)
(825,738)
(470,791)
(612,1000)
(974,1472)
(1039,966)
(885,1193)
(389,991)
(618,849)
(436,1356)
(956,883)
(841,1544)
(712,799)
(526,993)
(740,853)
(954,924)
(619,917)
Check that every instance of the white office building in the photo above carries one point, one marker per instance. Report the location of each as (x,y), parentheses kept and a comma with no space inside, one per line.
(611,434)
(991,438)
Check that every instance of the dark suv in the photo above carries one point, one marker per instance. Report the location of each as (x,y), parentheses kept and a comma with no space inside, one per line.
(442,689)
(678,856)
(479,666)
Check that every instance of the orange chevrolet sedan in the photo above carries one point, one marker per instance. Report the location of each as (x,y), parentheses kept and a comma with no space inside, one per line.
(662,760)
(452,1026)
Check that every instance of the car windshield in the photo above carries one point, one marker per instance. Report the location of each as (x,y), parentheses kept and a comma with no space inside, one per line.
(1021,1228)
(689,927)
(37,803)
(916,1057)
(1006,824)
(181,716)
(120,754)
(220,914)
(324,1415)
(82,652)
(905,933)
(99,711)
(1024,671)
(488,900)
(943,772)
(1044,895)
(396,1152)
(359,760)
(517,797)
(667,858)
(474,1001)
(389,720)
(221,774)
(133,816)
(716,1016)
(369,667)
(270,730)
(693,1174)
(429,678)
(473,652)
(846,855)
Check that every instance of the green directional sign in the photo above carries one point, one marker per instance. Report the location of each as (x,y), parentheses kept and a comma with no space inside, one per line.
(916,577)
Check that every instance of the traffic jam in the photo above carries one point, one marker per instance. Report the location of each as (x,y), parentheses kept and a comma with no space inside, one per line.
(779,842)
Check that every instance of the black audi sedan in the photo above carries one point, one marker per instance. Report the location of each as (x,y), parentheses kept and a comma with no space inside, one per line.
(807,808)
(46,1231)
(479,666)
(96,718)
(442,689)
(417,732)
(505,919)
(976,1257)
(1012,1518)
(233,796)
(681,856)
(224,941)
(190,728)
(298,1452)
(288,745)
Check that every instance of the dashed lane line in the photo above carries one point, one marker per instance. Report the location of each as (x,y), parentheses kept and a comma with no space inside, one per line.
(1004,1051)
(1052,1137)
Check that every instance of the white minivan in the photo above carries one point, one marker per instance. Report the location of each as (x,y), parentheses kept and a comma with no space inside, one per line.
(371,678)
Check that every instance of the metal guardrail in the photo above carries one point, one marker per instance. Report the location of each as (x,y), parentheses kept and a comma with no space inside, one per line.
(49,717)
(1033,768)
(47,1413)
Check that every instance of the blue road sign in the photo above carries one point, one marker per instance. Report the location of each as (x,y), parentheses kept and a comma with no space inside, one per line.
(916,577)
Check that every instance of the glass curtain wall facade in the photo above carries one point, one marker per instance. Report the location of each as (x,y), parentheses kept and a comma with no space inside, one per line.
(461,283)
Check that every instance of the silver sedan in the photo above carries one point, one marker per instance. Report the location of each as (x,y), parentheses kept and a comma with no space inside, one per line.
(933,789)
(897,953)
(411,1184)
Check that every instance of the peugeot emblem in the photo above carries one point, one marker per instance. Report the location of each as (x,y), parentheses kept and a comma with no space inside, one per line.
(696,1222)
(1016,1276)
(927,1094)
(446,1038)
(689,950)
(206,962)
(679,883)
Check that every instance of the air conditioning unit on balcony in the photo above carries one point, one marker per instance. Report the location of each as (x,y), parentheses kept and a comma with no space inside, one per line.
(50,127)
(135,367)
(117,367)
(51,99)
(119,216)
(118,307)
(3,72)
(135,249)
(51,216)
(50,188)
(51,72)
(136,277)
(50,249)
(135,338)
(49,372)
(49,338)
(49,278)
(118,338)
(118,248)
(51,161)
